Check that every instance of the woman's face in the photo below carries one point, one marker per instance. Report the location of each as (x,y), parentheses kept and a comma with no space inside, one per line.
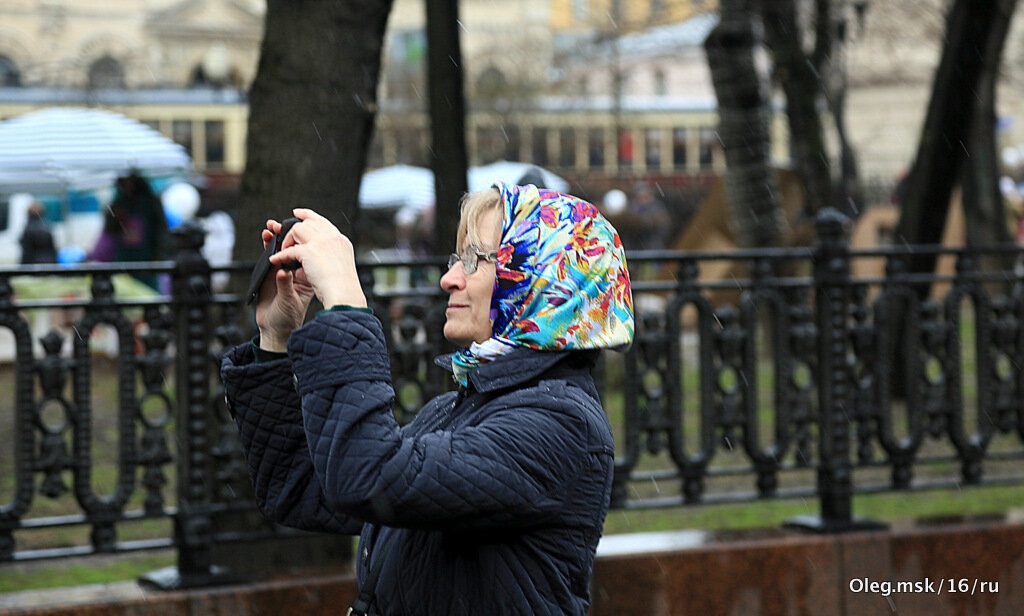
(469,296)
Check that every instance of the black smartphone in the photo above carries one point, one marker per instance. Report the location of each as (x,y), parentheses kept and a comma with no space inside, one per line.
(263,265)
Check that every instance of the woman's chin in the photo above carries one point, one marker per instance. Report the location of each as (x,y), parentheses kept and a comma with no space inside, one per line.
(452,334)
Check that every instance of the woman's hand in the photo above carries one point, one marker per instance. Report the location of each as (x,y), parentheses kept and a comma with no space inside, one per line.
(327,259)
(283,301)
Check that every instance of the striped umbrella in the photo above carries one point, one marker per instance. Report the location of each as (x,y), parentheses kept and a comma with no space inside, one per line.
(72,145)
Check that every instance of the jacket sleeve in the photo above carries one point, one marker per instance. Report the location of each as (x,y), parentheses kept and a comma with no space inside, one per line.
(263,401)
(512,469)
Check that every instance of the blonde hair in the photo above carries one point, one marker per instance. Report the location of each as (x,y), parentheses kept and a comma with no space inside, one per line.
(473,206)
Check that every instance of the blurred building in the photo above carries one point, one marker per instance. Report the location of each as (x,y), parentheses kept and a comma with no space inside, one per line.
(103,44)
(502,58)
(180,66)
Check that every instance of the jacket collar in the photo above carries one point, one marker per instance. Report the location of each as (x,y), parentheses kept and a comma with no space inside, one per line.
(520,366)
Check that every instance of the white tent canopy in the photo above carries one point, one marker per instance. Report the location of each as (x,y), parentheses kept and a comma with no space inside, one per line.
(397,186)
(83,148)
(69,158)
(510,172)
(411,189)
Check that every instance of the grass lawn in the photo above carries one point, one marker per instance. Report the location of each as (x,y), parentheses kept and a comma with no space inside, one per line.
(86,570)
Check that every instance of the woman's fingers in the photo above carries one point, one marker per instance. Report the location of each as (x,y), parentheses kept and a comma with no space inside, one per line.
(305,214)
(267,235)
(285,283)
(294,252)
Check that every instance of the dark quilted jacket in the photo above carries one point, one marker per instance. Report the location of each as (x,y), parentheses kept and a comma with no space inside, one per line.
(496,493)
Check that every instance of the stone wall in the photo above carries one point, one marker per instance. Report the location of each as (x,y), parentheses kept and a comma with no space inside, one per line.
(952,569)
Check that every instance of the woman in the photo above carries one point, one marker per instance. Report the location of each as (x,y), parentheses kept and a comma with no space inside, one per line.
(492,500)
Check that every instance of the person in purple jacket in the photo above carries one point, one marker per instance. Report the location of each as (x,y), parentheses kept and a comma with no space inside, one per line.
(492,500)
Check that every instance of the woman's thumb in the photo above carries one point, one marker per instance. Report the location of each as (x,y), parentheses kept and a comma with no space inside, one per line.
(285,282)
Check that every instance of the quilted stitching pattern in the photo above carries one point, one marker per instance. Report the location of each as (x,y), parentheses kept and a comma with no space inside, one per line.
(498,497)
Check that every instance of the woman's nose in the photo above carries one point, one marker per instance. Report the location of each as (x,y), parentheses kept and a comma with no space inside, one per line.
(454,279)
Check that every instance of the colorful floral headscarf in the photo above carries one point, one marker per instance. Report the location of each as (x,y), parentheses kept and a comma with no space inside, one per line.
(561,282)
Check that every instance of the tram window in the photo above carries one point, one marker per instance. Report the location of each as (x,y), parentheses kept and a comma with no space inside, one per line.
(214,143)
(539,147)
(595,148)
(566,148)
(679,138)
(512,142)
(708,139)
(181,133)
(626,148)
(652,147)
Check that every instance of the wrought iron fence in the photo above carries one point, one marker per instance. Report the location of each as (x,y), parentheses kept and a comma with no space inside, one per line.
(755,374)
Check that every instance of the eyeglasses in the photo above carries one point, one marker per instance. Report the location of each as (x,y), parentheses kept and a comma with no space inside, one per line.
(471,259)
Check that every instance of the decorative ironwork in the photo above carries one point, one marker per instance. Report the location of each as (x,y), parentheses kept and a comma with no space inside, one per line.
(790,379)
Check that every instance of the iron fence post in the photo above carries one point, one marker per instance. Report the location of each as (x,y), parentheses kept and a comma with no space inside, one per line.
(193,524)
(832,307)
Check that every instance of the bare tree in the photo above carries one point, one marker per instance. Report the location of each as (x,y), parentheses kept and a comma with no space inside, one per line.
(744,116)
(799,73)
(311,113)
(448,156)
(957,141)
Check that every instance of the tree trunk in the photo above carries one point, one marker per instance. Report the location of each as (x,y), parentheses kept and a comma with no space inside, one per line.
(850,191)
(973,29)
(743,121)
(958,128)
(311,113)
(448,156)
(799,75)
(984,212)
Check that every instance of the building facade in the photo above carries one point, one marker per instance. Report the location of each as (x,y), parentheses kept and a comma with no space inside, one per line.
(563,83)
(104,44)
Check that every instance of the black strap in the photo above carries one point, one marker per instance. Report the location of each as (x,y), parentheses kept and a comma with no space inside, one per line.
(368,589)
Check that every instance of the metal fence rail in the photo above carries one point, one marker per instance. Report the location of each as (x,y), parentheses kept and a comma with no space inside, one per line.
(755,374)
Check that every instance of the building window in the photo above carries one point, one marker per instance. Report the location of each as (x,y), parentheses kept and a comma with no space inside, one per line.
(539,146)
(595,148)
(626,148)
(679,138)
(375,155)
(410,143)
(660,83)
(708,142)
(106,73)
(566,148)
(406,77)
(214,143)
(490,144)
(154,124)
(512,142)
(652,148)
(10,76)
(181,133)
(491,84)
